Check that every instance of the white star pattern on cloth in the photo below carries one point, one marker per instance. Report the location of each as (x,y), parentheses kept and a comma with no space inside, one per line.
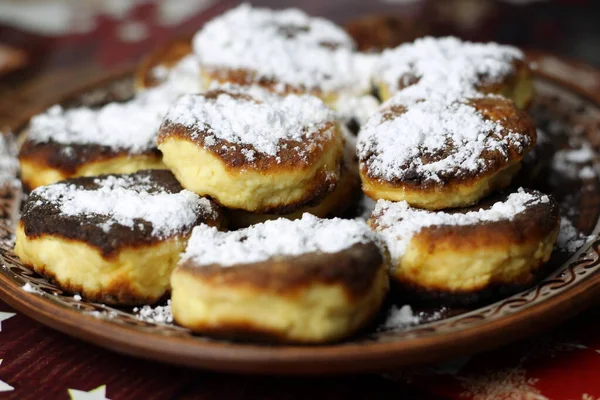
(97,394)
(5,387)
(5,316)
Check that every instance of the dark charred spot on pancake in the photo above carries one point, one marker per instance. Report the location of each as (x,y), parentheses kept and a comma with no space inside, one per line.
(69,158)
(353,269)
(330,45)
(407,80)
(41,217)
(290,31)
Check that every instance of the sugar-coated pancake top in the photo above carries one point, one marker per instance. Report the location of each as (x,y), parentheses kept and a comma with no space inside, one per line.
(281,237)
(424,138)
(446,62)
(287,46)
(397,222)
(130,126)
(113,208)
(261,123)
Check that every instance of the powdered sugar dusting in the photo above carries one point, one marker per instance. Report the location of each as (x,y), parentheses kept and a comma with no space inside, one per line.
(130,126)
(570,162)
(125,200)
(451,134)
(280,237)
(399,318)
(262,121)
(183,77)
(287,46)
(446,63)
(9,165)
(158,314)
(398,222)
(359,108)
(569,238)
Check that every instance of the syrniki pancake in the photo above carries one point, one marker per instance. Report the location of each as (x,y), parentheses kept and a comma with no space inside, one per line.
(114,238)
(451,64)
(114,138)
(440,149)
(308,281)
(459,255)
(253,150)
(286,51)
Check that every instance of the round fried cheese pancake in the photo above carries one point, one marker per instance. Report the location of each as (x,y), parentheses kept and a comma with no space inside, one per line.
(114,238)
(451,63)
(439,150)
(286,51)
(253,150)
(304,281)
(114,138)
(501,242)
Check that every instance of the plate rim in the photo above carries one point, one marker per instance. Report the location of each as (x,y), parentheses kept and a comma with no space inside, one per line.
(325,359)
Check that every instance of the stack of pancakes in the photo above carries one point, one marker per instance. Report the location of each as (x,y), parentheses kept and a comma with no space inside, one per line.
(264,118)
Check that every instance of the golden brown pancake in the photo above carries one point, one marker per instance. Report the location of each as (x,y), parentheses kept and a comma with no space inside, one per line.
(501,242)
(118,137)
(302,281)
(252,150)
(285,51)
(442,151)
(448,63)
(114,238)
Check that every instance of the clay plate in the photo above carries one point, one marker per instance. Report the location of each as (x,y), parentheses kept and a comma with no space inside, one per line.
(568,105)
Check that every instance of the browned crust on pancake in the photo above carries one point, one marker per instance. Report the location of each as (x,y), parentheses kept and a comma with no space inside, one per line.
(46,220)
(532,225)
(53,155)
(498,109)
(536,222)
(354,269)
(286,158)
(167,55)
(235,160)
(120,293)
